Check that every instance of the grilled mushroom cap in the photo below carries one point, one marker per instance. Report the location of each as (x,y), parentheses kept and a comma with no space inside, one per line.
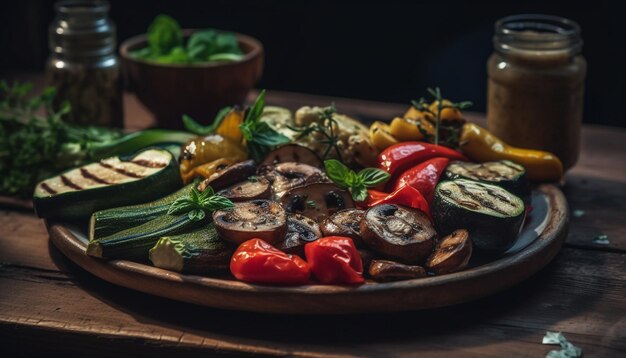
(344,223)
(229,175)
(289,175)
(451,254)
(300,231)
(293,153)
(263,219)
(398,232)
(317,201)
(250,189)
(385,271)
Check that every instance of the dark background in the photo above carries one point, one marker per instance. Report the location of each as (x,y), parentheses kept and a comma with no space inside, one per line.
(379,50)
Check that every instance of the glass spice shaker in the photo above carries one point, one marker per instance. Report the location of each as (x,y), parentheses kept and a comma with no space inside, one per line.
(536,84)
(83,64)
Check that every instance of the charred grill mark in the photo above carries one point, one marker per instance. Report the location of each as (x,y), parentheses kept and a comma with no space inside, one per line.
(67,182)
(482,201)
(148,163)
(120,170)
(47,188)
(512,166)
(86,174)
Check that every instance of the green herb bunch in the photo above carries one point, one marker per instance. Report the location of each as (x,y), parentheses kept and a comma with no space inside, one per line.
(198,204)
(326,128)
(166,44)
(445,134)
(34,140)
(356,183)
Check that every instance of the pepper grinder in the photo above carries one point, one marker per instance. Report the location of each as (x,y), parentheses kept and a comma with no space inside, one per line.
(83,64)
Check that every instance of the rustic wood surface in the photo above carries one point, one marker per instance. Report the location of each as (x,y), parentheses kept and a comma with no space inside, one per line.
(49,305)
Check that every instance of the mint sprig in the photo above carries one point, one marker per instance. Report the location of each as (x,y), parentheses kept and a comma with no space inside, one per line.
(356,183)
(198,204)
(260,137)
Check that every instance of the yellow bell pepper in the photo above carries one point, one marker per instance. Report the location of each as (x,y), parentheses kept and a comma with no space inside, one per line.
(229,128)
(203,150)
(447,114)
(405,129)
(380,137)
(480,145)
(207,169)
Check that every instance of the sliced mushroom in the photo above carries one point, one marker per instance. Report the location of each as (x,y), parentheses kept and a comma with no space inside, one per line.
(398,232)
(317,201)
(263,219)
(367,256)
(288,175)
(229,175)
(451,254)
(293,153)
(300,231)
(385,271)
(250,189)
(344,223)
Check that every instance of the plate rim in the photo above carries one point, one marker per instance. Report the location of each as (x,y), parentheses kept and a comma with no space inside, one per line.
(240,295)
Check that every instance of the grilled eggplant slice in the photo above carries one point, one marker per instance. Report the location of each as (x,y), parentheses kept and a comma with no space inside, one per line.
(344,223)
(492,215)
(109,183)
(397,232)
(300,231)
(451,254)
(250,189)
(317,201)
(293,153)
(289,175)
(503,173)
(262,219)
(386,271)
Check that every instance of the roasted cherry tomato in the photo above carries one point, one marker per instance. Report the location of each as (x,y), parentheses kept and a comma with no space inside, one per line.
(256,261)
(405,196)
(334,260)
(423,177)
(402,156)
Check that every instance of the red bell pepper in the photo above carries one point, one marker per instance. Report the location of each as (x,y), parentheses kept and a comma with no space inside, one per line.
(423,177)
(402,156)
(334,260)
(405,195)
(256,261)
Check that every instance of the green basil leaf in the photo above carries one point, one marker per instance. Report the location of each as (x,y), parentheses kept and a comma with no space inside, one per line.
(202,44)
(266,135)
(359,192)
(194,127)
(164,34)
(337,172)
(196,215)
(246,130)
(372,176)
(257,108)
(181,205)
(216,202)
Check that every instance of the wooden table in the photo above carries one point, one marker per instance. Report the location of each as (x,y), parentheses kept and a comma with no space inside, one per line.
(47,304)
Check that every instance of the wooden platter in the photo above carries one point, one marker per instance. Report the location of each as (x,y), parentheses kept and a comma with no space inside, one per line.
(539,242)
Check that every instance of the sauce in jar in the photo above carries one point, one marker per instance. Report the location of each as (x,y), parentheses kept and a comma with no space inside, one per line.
(536,84)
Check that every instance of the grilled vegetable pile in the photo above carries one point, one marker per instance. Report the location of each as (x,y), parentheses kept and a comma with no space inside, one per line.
(315,199)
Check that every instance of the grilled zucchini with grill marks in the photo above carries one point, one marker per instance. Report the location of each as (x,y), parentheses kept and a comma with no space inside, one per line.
(492,215)
(504,173)
(111,182)
(200,251)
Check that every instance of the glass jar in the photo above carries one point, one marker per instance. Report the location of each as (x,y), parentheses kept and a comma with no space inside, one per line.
(83,65)
(536,84)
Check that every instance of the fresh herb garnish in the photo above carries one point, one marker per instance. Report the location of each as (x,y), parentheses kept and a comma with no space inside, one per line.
(260,137)
(311,204)
(166,45)
(357,183)
(454,132)
(196,128)
(326,126)
(198,204)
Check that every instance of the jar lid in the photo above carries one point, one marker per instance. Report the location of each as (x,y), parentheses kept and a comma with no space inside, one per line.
(536,32)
